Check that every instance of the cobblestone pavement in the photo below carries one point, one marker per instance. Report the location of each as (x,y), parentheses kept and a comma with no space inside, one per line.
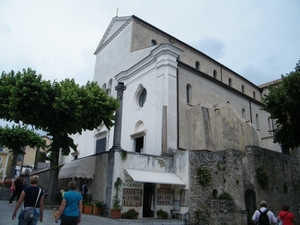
(6,211)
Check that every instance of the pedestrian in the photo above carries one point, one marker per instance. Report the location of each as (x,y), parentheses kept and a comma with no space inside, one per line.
(84,192)
(263,216)
(12,188)
(70,209)
(286,216)
(18,189)
(33,198)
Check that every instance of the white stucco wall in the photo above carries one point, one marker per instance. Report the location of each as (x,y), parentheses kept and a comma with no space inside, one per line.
(127,57)
(158,77)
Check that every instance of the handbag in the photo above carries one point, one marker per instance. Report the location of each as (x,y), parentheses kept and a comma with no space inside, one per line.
(29,211)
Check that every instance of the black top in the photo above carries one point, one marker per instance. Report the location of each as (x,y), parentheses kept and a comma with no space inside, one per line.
(31,193)
(18,185)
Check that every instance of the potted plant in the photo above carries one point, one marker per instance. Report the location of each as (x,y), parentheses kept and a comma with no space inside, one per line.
(161,214)
(98,208)
(130,214)
(115,212)
(88,208)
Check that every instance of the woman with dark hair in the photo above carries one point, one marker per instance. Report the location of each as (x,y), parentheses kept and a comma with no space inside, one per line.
(71,206)
(286,216)
(33,198)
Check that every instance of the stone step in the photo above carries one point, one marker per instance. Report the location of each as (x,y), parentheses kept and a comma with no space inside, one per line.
(5,193)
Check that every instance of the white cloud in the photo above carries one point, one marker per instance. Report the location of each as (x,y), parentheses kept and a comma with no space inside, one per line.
(257,39)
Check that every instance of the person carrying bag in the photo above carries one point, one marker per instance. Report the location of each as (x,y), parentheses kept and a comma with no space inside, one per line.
(285,217)
(33,198)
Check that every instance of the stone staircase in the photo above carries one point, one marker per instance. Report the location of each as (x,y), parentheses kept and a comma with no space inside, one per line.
(5,194)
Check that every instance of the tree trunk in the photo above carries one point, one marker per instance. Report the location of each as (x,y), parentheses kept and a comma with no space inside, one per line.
(13,165)
(53,182)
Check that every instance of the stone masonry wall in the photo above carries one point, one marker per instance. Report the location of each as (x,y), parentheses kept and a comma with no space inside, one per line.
(233,172)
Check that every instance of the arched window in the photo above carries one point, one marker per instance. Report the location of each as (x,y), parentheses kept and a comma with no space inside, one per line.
(139,136)
(243,113)
(108,90)
(229,82)
(254,95)
(140,96)
(270,125)
(257,121)
(197,65)
(215,74)
(188,93)
(153,42)
(243,89)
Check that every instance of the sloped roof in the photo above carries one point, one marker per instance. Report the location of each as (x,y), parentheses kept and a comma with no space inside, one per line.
(115,24)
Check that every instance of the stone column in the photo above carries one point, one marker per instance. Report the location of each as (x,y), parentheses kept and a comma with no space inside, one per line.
(120,88)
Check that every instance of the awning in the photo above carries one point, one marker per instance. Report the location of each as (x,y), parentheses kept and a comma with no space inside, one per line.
(154,177)
(84,168)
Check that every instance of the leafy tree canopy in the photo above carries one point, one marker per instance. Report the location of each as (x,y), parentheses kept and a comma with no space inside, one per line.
(283,102)
(16,139)
(58,108)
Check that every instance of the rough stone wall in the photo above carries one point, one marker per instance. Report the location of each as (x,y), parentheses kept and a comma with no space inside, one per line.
(234,172)
(284,178)
(226,169)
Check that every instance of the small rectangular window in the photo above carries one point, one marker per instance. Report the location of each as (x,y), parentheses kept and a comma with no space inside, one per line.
(101,145)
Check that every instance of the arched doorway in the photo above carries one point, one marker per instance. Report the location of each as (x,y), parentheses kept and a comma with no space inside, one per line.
(250,203)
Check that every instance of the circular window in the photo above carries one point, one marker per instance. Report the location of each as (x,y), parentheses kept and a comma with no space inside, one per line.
(142,97)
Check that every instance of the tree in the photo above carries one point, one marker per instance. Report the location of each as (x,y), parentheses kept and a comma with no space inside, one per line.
(283,103)
(16,139)
(58,108)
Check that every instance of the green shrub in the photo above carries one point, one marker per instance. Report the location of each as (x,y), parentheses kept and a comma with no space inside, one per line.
(130,214)
(225,196)
(102,206)
(203,176)
(262,177)
(123,155)
(116,200)
(162,214)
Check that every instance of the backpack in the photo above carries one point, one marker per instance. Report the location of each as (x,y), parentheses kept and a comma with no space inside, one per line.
(263,218)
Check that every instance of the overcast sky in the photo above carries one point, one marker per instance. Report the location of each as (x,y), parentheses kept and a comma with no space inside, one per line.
(258,39)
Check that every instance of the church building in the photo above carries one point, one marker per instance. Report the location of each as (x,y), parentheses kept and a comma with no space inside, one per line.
(175,100)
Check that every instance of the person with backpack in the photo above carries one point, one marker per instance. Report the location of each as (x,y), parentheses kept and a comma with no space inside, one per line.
(286,216)
(263,216)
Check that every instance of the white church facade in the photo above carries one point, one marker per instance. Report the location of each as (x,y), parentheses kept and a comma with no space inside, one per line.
(176,100)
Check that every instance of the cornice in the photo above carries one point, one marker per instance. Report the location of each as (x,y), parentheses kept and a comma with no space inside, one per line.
(152,58)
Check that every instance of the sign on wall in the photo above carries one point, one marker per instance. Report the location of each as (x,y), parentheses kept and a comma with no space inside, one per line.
(132,197)
(165,196)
